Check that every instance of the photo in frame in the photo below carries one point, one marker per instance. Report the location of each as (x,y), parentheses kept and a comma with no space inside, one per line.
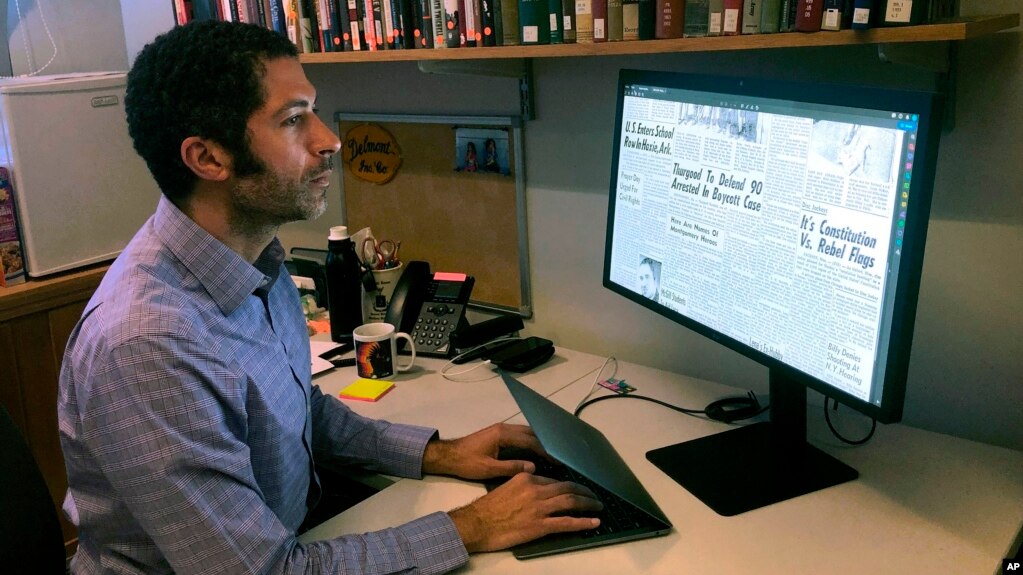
(482,150)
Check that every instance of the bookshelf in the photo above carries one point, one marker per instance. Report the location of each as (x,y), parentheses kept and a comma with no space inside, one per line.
(962,28)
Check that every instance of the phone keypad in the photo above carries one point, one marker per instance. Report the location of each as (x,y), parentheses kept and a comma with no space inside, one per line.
(434,327)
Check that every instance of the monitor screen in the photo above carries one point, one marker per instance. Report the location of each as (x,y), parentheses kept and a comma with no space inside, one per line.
(783,220)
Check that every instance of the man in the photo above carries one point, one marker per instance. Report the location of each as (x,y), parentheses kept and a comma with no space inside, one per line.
(188,421)
(648,279)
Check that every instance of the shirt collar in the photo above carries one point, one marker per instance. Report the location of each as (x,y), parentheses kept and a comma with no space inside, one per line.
(225,275)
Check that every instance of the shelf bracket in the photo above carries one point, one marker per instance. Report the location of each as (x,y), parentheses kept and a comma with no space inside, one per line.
(527,105)
(520,68)
(940,58)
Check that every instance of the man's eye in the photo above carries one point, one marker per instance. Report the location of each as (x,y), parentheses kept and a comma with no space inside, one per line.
(293,120)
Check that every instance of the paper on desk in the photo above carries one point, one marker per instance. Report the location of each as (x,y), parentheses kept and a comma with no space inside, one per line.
(321,365)
(318,348)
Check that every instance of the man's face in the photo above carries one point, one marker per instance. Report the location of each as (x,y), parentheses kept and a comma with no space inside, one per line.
(293,148)
(646,283)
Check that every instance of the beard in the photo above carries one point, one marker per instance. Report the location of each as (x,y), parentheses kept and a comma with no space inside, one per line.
(262,197)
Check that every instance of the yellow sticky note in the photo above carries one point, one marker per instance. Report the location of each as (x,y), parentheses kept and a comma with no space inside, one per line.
(366,389)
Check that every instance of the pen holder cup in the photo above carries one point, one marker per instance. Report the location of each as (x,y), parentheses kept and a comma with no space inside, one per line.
(374,303)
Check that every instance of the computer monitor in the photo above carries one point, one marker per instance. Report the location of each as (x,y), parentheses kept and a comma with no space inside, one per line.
(786,221)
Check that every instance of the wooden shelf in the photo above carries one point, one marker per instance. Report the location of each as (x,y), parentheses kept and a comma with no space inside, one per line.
(40,294)
(962,28)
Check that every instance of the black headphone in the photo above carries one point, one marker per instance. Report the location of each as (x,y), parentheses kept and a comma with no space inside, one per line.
(732,409)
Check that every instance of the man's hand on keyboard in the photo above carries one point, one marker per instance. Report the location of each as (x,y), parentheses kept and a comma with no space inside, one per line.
(524,508)
(476,456)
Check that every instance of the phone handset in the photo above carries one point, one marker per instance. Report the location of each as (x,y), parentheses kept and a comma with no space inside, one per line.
(429,307)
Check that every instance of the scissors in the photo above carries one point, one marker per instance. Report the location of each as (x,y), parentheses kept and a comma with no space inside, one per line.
(380,255)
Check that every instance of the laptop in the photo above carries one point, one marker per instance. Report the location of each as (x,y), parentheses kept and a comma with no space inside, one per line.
(589,459)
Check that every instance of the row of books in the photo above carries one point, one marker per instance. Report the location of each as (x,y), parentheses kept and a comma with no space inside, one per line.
(345,25)
(12,260)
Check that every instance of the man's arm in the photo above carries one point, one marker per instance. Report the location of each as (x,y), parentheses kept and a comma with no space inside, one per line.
(167,422)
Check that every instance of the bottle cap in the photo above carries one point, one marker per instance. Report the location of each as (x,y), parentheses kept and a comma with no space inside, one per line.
(338,233)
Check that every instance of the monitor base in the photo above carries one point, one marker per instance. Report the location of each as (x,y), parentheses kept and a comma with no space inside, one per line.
(749,467)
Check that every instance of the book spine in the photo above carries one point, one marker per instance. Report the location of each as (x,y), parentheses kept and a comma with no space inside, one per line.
(439,24)
(488,22)
(423,32)
(670,20)
(204,10)
(809,15)
(731,24)
(533,22)
(599,20)
(262,13)
(409,20)
(390,13)
(369,26)
(461,24)
(325,25)
(291,22)
(472,24)
(12,257)
(276,17)
(378,24)
(182,15)
(832,17)
(862,14)
(509,10)
(770,16)
(630,20)
(568,26)
(554,21)
(344,25)
(697,19)
(783,19)
(847,14)
(584,21)
(355,23)
(903,12)
(452,36)
(751,16)
(615,26)
(253,12)
(309,26)
(715,17)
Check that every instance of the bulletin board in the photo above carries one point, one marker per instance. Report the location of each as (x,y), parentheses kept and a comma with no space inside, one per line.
(444,206)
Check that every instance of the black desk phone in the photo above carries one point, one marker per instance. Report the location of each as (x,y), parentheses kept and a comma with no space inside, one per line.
(429,307)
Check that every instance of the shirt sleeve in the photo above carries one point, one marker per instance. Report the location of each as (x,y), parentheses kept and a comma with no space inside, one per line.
(165,419)
(341,436)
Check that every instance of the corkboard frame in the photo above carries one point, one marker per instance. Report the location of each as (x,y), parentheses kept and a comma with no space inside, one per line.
(459,222)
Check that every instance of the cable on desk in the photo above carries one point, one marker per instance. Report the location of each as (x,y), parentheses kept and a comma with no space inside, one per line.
(827,418)
(718,414)
(596,381)
(447,375)
(684,410)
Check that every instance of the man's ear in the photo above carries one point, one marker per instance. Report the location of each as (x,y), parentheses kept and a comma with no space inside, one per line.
(206,158)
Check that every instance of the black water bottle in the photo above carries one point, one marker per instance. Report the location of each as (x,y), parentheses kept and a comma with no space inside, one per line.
(344,285)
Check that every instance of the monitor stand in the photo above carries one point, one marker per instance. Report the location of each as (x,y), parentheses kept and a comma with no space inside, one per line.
(756,465)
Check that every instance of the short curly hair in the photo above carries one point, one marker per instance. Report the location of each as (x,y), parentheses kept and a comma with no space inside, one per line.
(201,79)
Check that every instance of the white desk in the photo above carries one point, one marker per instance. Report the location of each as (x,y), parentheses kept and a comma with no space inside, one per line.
(924,502)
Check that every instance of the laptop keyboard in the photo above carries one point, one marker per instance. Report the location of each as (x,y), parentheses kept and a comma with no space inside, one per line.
(617,516)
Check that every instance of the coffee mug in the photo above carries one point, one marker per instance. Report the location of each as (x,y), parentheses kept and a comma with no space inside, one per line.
(376,350)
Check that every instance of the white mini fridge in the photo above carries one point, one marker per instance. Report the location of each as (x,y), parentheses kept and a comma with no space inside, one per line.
(81,190)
